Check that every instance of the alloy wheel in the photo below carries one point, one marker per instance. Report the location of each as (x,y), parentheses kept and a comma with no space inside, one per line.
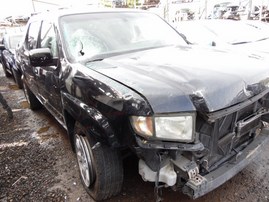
(85,159)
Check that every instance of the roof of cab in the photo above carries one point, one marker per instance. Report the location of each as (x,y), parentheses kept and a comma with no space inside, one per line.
(55,14)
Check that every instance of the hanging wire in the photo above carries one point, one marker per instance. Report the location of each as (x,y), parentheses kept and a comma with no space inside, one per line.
(158,188)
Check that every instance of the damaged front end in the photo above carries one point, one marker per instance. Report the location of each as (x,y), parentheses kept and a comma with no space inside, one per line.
(220,145)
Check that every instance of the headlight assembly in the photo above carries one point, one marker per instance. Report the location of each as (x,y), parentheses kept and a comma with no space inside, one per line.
(174,128)
(178,127)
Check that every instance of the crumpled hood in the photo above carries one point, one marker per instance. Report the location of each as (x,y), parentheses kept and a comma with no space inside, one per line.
(177,79)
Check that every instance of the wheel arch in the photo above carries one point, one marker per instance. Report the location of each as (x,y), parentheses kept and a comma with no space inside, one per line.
(92,120)
(70,122)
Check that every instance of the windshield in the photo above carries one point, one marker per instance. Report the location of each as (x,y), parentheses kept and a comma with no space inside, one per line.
(222,31)
(88,35)
(195,33)
(236,32)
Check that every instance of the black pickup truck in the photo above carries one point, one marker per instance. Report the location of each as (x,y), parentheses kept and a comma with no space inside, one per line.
(125,81)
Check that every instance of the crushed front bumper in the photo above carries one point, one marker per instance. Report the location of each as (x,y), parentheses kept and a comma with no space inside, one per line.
(225,172)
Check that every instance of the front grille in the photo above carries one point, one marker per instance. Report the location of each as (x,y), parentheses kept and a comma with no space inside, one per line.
(226,133)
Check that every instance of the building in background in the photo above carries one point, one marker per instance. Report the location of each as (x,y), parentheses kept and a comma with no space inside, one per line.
(174,11)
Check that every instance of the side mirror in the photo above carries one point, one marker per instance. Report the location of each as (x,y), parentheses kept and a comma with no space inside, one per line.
(2,47)
(40,57)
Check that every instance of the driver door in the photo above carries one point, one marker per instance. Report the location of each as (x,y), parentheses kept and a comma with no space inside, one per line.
(48,76)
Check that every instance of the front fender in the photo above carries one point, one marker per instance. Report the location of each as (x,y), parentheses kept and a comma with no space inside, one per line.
(91,119)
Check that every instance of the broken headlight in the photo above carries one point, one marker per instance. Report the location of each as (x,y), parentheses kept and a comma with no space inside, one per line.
(170,128)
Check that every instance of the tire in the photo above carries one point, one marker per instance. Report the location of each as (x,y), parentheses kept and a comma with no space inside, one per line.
(33,102)
(17,78)
(100,167)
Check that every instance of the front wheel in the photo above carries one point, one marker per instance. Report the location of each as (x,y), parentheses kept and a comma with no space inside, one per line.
(100,166)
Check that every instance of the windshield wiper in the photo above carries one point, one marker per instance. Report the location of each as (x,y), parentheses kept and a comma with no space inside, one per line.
(241,42)
(262,39)
(91,59)
(102,56)
(95,60)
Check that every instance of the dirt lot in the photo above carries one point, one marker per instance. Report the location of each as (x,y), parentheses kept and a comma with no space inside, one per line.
(37,163)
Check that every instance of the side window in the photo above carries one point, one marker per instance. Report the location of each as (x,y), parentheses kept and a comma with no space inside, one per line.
(5,42)
(48,38)
(33,35)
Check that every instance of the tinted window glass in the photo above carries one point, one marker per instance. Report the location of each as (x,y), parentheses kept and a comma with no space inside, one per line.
(48,38)
(33,35)
(5,42)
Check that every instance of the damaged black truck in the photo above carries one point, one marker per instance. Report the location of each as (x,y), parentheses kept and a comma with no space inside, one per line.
(124,79)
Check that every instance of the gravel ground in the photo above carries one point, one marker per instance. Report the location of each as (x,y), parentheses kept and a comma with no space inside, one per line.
(37,163)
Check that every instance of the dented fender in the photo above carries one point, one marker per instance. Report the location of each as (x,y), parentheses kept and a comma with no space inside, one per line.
(90,118)
(99,103)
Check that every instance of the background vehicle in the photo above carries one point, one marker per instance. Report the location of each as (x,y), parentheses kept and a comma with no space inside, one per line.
(241,35)
(118,84)
(10,41)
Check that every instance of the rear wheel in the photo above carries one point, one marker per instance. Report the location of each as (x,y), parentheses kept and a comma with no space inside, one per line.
(33,102)
(100,167)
